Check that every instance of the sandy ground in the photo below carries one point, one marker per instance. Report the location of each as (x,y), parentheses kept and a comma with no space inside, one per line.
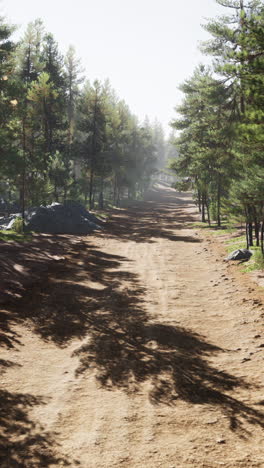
(142,349)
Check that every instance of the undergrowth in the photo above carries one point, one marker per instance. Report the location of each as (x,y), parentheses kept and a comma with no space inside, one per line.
(12,236)
(235,242)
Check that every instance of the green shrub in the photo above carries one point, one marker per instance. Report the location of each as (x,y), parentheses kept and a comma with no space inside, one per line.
(18,226)
(183,185)
(259,260)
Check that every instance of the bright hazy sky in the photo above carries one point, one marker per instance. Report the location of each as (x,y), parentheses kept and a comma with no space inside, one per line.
(145,47)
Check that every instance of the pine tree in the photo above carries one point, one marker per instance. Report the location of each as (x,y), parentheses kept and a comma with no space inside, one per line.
(92,130)
(9,159)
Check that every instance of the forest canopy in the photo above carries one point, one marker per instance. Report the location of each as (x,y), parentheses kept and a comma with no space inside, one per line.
(220,123)
(63,137)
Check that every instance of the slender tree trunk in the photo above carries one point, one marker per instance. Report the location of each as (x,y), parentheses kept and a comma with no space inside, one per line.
(91,188)
(256,226)
(115,190)
(101,195)
(250,227)
(250,234)
(219,202)
(208,211)
(262,237)
(247,236)
(203,208)
(199,201)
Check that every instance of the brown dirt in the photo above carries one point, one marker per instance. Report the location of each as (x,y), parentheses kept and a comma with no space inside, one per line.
(142,349)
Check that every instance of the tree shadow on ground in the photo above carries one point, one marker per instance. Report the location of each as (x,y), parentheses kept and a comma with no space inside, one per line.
(126,349)
(92,296)
(24,443)
(22,265)
(62,308)
(156,217)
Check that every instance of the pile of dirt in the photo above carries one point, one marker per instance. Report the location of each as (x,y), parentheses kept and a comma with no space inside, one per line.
(67,218)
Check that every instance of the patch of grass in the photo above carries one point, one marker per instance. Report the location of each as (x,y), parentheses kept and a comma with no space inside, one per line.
(256,262)
(236,243)
(199,224)
(225,228)
(12,236)
(233,243)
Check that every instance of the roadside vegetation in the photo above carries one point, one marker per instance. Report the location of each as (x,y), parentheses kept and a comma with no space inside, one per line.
(232,236)
(63,137)
(12,236)
(220,124)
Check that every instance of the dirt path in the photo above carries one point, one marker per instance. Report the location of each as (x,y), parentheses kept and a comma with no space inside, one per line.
(142,350)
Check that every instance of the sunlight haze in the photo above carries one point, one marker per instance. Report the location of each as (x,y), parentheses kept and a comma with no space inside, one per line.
(146,48)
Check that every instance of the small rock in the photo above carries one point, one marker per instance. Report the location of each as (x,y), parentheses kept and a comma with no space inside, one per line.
(240,254)
(221,441)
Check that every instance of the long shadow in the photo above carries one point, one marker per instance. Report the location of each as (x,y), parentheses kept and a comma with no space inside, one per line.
(61,308)
(125,347)
(24,265)
(91,296)
(22,442)
(156,217)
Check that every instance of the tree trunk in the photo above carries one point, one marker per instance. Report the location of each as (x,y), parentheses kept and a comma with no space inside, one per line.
(203,208)
(208,211)
(250,234)
(219,203)
(247,236)
(91,189)
(101,195)
(199,201)
(262,237)
(256,226)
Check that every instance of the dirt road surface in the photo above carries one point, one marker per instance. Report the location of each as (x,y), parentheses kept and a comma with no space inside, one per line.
(142,349)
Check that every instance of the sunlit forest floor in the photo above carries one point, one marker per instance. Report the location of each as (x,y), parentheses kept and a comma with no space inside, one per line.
(140,347)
